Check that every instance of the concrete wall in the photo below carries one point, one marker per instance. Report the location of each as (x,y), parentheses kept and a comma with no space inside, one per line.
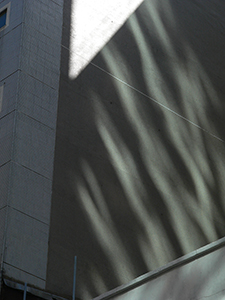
(139,152)
(139,157)
(201,278)
(29,72)
(10,38)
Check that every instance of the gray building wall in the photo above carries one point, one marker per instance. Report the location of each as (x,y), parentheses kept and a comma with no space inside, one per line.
(139,157)
(29,74)
(139,151)
(197,275)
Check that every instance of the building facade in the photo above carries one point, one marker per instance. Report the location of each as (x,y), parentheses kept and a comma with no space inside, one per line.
(111,137)
(29,80)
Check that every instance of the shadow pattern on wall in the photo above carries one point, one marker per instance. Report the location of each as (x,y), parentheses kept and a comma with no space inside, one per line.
(139,157)
(199,279)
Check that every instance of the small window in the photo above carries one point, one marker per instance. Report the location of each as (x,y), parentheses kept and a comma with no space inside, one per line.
(3,15)
(1,97)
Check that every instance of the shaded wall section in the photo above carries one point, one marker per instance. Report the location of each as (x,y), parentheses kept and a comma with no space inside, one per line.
(139,157)
(200,278)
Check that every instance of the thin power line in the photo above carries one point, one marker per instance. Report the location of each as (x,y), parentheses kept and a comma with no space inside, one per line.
(157,102)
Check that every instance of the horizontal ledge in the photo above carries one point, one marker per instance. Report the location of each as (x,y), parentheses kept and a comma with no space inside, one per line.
(170,266)
(31,290)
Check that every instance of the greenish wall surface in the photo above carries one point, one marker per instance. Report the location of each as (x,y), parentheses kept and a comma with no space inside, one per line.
(202,277)
(139,158)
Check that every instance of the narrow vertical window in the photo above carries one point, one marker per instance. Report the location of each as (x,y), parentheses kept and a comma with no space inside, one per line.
(1,97)
(3,15)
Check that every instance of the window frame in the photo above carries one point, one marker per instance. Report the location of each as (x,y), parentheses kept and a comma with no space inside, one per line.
(7,8)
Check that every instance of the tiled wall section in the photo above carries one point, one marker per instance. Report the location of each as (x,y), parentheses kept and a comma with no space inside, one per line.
(26,239)
(9,52)
(4,184)
(29,71)
(6,137)
(10,39)
(37,100)
(2,225)
(29,188)
(9,94)
(9,62)
(34,145)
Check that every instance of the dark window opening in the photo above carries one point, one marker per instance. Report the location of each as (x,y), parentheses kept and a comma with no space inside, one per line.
(3,18)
